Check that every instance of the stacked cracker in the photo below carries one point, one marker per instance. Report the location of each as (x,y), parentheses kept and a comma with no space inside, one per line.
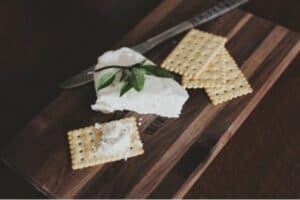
(203,61)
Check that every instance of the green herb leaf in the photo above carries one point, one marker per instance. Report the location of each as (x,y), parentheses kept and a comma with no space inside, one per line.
(138,78)
(106,80)
(150,69)
(157,71)
(163,73)
(124,75)
(130,77)
(134,76)
(126,87)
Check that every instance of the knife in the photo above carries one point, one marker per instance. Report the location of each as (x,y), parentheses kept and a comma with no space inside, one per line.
(221,8)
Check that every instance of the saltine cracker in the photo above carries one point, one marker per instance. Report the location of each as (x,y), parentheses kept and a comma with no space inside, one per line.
(213,76)
(235,83)
(193,53)
(83,142)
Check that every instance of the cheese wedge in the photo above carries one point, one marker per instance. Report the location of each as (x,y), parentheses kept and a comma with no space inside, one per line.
(161,96)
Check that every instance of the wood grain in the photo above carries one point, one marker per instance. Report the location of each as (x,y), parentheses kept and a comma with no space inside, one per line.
(44,139)
(239,120)
(219,125)
(264,160)
(158,172)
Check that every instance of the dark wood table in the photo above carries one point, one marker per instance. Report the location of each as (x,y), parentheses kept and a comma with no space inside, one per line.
(41,38)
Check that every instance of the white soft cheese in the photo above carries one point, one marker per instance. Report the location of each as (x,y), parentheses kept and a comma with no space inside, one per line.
(161,96)
(116,138)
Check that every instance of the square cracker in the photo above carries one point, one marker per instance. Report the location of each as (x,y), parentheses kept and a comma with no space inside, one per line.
(83,143)
(235,83)
(212,76)
(193,53)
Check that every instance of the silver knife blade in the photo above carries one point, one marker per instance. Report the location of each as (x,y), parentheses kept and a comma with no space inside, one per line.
(221,8)
(79,79)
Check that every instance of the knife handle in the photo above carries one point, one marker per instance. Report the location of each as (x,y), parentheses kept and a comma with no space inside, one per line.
(219,9)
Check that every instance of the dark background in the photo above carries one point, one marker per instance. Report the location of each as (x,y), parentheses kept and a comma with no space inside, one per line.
(39,41)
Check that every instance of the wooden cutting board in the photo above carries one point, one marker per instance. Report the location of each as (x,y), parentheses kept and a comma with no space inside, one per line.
(177,151)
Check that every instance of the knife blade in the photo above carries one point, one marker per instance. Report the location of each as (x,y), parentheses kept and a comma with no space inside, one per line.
(219,9)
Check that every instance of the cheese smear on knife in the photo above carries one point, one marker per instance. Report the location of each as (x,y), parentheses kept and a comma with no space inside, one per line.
(161,96)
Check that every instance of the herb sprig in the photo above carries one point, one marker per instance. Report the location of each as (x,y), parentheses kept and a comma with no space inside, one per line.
(133,76)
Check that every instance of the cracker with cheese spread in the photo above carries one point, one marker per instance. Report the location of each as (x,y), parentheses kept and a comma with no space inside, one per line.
(102,143)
